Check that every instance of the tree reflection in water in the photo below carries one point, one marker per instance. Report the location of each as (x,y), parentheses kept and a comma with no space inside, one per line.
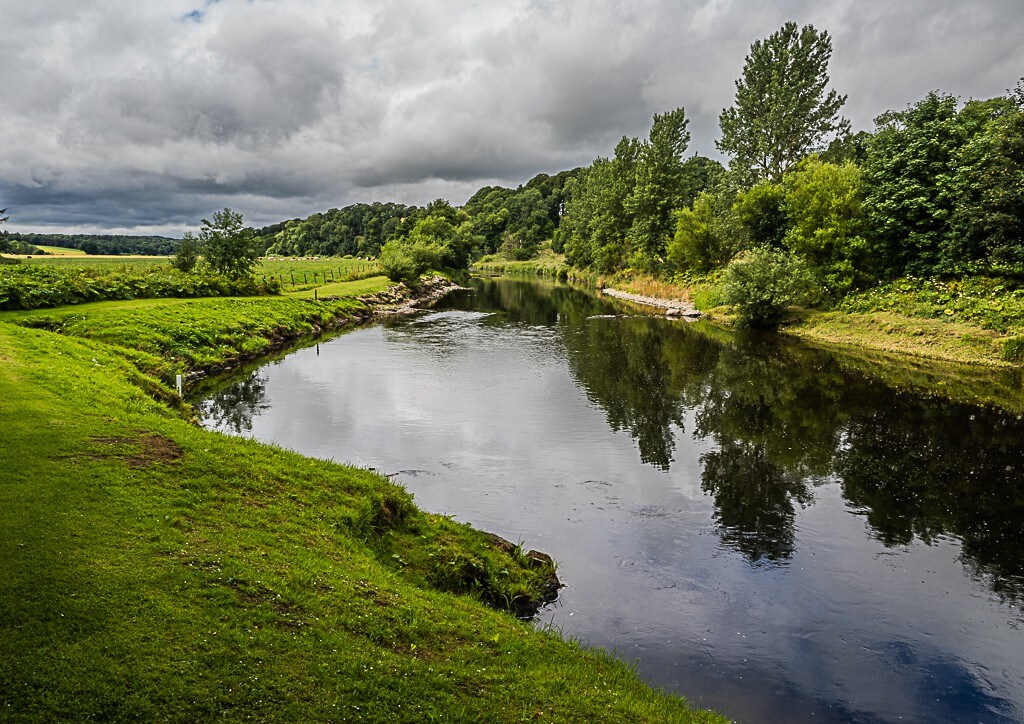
(784,419)
(234,405)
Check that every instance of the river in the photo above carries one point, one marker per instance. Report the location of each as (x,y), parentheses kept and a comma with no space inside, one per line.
(763,527)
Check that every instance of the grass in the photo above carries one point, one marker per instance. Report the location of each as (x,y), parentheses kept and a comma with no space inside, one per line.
(164,337)
(83,261)
(547,263)
(302,274)
(157,571)
(60,250)
(72,281)
(975,320)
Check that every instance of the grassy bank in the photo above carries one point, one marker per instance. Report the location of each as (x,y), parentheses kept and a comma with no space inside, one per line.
(156,571)
(974,321)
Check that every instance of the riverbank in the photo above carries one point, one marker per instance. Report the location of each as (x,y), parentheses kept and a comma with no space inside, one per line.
(936,330)
(155,570)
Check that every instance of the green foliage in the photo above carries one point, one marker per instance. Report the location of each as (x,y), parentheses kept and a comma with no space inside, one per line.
(188,253)
(782,111)
(907,174)
(28,286)
(988,222)
(516,222)
(397,263)
(699,174)
(707,235)
(106,244)
(762,210)
(658,189)
(358,229)
(762,282)
(620,213)
(229,247)
(986,302)
(441,238)
(823,208)
(944,187)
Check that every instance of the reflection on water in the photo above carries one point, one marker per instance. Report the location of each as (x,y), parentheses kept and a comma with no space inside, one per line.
(233,406)
(765,531)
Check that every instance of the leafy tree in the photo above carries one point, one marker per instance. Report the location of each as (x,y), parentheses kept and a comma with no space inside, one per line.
(826,221)
(782,111)
(708,234)
(596,220)
(188,253)
(924,163)
(847,147)
(988,222)
(658,189)
(762,282)
(619,212)
(700,173)
(397,263)
(762,210)
(229,247)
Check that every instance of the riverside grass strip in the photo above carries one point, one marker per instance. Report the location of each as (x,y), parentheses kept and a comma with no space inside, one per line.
(973,321)
(157,571)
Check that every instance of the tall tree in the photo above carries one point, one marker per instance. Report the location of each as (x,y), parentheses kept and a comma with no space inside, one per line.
(658,189)
(228,246)
(782,111)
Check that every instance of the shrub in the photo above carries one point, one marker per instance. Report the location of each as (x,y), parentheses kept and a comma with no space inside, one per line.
(763,282)
(397,263)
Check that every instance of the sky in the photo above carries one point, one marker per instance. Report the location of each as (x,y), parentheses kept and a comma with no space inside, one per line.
(120,116)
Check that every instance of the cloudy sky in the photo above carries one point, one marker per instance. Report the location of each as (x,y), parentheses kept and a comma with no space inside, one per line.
(142,117)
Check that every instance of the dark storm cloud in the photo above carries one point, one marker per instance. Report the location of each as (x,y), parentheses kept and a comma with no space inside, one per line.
(118,114)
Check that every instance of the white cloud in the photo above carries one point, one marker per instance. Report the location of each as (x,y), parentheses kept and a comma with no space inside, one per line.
(118,114)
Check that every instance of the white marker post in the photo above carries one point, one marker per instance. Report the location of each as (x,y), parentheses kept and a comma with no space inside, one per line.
(177,383)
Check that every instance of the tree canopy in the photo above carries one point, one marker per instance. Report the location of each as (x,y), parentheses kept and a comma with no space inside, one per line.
(228,246)
(782,111)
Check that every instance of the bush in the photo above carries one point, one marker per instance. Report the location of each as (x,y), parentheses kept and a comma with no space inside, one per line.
(763,282)
(397,263)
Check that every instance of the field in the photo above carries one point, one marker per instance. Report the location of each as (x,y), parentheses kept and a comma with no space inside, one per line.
(82,261)
(294,273)
(299,274)
(60,251)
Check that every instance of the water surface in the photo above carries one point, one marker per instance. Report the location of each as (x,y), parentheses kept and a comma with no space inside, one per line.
(765,529)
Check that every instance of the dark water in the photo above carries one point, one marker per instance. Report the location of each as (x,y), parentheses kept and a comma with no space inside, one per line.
(766,532)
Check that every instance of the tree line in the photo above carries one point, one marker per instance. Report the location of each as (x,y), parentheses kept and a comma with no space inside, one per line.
(807,210)
(109,244)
